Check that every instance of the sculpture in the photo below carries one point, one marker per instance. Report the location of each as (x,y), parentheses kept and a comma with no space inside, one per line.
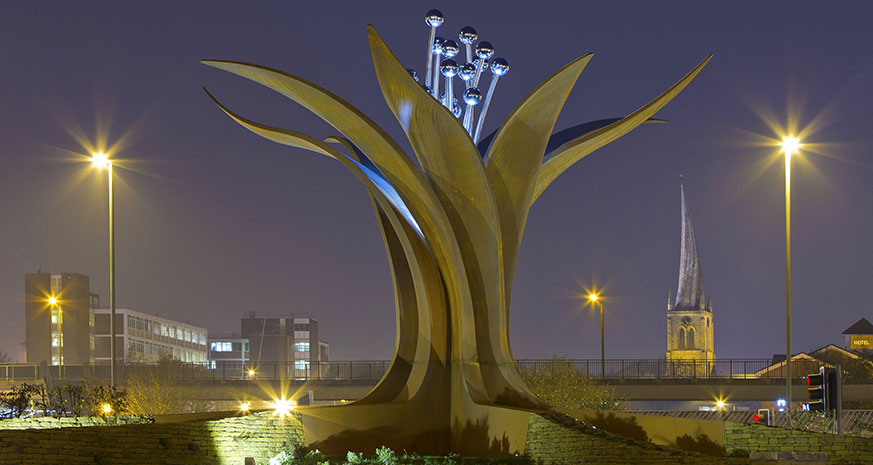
(452,226)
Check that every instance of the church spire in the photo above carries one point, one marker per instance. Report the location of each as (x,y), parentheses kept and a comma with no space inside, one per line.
(689,293)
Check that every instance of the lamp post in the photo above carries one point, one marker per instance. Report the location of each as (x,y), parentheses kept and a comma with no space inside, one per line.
(790,145)
(100,160)
(595,299)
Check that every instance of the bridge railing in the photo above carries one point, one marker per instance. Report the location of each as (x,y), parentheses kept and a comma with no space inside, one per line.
(854,371)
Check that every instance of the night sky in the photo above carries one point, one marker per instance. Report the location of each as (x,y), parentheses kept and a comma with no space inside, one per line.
(213,221)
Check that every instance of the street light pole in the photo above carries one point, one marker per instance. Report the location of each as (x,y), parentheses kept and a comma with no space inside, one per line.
(789,146)
(595,299)
(112,346)
(602,351)
(100,160)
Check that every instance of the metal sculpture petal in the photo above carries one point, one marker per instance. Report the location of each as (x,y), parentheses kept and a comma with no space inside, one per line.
(452,231)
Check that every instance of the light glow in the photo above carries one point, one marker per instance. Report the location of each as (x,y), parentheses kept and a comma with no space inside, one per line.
(593,297)
(251,373)
(790,145)
(245,406)
(53,301)
(720,404)
(100,160)
(283,407)
(107,409)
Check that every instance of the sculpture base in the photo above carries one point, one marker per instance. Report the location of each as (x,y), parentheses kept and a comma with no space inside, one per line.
(489,431)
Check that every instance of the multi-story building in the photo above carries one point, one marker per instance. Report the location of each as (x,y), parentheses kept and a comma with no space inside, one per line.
(57,318)
(65,324)
(147,338)
(270,341)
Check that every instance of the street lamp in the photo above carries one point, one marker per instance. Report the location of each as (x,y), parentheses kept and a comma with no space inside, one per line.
(595,299)
(790,145)
(101,160)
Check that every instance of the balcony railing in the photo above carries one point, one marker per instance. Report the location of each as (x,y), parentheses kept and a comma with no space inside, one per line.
(854,371)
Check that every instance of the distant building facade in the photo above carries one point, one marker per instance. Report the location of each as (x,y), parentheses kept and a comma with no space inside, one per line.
(689,315)
(75,329)
(270,341)
(859,336)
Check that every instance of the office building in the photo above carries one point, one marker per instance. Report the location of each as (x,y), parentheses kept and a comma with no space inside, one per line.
(285,342)
(65,324)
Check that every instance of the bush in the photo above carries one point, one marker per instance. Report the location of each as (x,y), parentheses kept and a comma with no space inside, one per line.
(18,399)
(560,384)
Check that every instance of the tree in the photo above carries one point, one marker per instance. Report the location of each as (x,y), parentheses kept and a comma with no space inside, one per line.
(559,383)
(156,389)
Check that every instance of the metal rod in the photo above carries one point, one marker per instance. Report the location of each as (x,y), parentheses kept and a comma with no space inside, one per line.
(436,75)
(427,73)
(494,79)
(450,96)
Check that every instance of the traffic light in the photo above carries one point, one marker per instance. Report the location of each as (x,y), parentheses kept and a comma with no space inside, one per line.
(762,417)
(816,391)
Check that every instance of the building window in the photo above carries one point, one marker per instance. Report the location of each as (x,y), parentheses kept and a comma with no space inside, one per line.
(221,346)
(690,337)
(301,364)
(681,338)
(301,327)
(301,334)
(301,347)
(164,330)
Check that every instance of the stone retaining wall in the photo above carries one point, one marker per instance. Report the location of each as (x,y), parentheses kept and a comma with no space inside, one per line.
(214,442)
(73,422)
(554,439)
(760,438)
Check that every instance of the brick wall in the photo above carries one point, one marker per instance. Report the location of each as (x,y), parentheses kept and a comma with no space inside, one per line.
(213,442)
(554,439)
(759,438)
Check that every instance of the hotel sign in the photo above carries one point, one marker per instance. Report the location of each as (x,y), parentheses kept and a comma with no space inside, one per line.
(861,342)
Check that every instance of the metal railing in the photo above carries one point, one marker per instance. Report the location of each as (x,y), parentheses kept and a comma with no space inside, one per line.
(853,422)
(857,371)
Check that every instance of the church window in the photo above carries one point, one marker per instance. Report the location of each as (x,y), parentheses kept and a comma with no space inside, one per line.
(681,338)
(690,338)
(707,322)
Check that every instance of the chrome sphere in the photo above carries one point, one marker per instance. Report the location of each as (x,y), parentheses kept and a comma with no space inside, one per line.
(472,96)
(443,98)
(449,68)
(456,109)
(485,64)
(438,45)
(413,74)
(467,71)
(484,50)
(499,66)
(467,35)
(427,89)
(434,18)
(450,48)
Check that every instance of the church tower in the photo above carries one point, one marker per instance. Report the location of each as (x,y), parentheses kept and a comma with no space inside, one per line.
(689,315)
